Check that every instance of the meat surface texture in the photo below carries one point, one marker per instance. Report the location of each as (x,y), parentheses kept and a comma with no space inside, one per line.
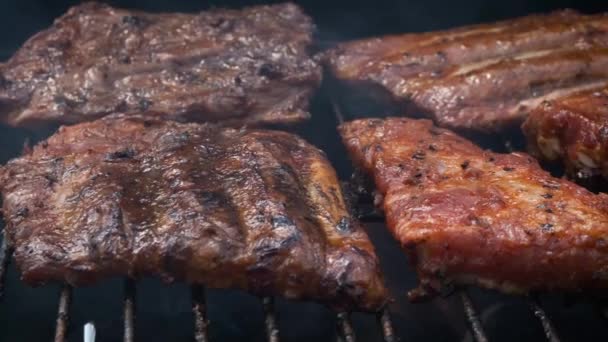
(251,209)
(573,129)
(240,66)
(481,77)
(469,216)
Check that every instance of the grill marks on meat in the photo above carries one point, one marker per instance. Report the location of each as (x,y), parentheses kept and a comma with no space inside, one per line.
(251,209)
(471,216)
(485,76)
(240,66)
(574,129)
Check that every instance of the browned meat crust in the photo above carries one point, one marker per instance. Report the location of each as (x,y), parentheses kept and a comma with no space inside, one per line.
(240,66)
(471,216)
(573,129)
(481,77)
(250,209)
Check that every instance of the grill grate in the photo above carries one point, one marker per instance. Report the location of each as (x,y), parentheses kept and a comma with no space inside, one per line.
(272,329)
(4,260)
(63,314)
(199,309)
(472,317)
(129,310)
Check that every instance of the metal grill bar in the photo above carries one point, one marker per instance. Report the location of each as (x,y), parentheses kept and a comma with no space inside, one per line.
(63,314)
(472,317)
(4,260)
(129,311)
(550,331)
(346,332)
(272,328)
(384,319)
(199,309)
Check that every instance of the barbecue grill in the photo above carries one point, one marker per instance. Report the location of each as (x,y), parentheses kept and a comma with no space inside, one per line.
(122,309)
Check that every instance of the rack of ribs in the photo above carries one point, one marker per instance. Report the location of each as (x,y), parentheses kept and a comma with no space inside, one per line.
(470,216)
(482,77)
(240,66)
(257,210)
(573,129)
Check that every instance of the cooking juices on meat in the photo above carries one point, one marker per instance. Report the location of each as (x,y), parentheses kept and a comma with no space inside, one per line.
(470,216)
(482,77)
(257,210)
(237,66)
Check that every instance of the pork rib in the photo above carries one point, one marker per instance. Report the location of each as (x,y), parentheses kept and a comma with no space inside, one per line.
(481,77)
(240,66)
(465,215)
(250,209)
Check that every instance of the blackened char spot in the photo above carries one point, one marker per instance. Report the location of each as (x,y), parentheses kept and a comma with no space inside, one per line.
(508,168)
(345,225)
(135,21)
(269,71)
(418,155)
(465,164)
(4,83)
(281,221)
(23,212)
(123,154)
(144,104)
(546,227)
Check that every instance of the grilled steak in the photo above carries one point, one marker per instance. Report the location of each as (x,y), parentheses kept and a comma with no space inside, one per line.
(471,216)
(240,66)
(250,209)
(481,77)
(573,129)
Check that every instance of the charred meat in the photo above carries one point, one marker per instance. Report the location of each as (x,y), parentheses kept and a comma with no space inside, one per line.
(573,129)
(250,209)
(469,216)
(240,66)
(481,77)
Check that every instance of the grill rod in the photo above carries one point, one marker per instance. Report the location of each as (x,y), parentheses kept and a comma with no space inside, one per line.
(548,327)
(199,310)
(129,310)
(63,314)
(384,319)
(346,333)
(4,260)
(272,328)
(472,317)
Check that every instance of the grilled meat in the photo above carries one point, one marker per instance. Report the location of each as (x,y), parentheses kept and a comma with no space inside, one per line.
(573,129)
(481,77)
(239,66)
(471,216)
(250,209)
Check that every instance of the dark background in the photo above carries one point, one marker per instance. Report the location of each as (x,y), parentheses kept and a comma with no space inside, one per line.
(164,312)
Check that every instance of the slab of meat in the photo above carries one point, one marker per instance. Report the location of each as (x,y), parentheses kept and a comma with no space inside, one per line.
(471,216)
(250,209)
(481,77)
(573,129)
(240,66)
